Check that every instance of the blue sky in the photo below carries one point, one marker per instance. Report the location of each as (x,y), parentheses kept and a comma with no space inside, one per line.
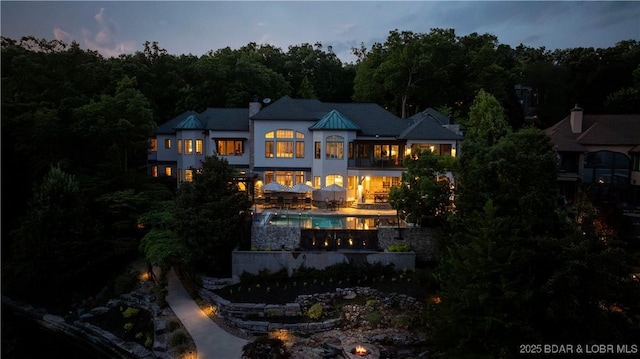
(196,27)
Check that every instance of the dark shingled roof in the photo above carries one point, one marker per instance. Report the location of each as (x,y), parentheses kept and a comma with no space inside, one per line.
(428,124)
(226,119)
(334,120)
(287,108)
(606,130)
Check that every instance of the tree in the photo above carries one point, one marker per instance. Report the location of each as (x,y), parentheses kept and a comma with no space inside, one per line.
(516,271)
(485,127)
(161,245)
(55,243)
(423,195)
(117,127)
(212,216)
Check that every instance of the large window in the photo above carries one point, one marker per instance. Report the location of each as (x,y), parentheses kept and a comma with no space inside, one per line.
(199,147)
(230,147)
(606,168)
(282,144)
(188,147)
(334,179)
(154,145)
(335,147)
(443,149)
(386,154)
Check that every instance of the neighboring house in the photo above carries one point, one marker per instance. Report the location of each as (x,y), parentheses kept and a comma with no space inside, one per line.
(601,152)
(359,146)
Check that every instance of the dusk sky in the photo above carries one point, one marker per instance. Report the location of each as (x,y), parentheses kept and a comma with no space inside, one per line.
(196,27)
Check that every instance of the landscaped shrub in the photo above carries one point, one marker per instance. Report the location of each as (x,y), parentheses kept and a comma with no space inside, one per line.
(173,324)
(265,347)
(179,337)
(315,311)
(400,247)
(374,318)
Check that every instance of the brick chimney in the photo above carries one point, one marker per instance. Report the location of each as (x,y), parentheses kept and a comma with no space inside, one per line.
(576,119)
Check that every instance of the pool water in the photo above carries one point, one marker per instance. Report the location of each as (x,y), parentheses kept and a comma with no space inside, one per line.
(327,221)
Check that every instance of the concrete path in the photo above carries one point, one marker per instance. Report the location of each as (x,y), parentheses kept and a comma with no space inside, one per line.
(212,342)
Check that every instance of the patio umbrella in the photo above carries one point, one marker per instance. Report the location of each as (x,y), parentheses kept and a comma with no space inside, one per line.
(301,188)
(274,187)
(334,188)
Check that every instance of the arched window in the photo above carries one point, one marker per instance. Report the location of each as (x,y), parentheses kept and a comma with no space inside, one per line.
(335,147)
(284,143)
(606,168)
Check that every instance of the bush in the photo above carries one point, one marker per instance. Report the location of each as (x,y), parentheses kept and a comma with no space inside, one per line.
(374,318)
(178,338)
(265,347)
(399,247)
(315,311)
(172,325)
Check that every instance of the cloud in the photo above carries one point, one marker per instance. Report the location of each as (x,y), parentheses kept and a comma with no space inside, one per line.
(62,35)
(106,41)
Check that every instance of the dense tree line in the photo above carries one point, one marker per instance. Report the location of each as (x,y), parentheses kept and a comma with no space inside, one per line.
(73,116)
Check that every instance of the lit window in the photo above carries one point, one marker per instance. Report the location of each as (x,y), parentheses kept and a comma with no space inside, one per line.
(188,175)
(154,145)
(188,147)
(154,171)
(167,171)
(299,176)
(284,149)
(268,149)
(285,178)
(299,149)
(199,147)
(334,179)
(335,147)
(179,147)
(230,148)
(167,143)
(316,182)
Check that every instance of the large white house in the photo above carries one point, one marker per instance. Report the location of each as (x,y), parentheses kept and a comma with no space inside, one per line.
(359,146)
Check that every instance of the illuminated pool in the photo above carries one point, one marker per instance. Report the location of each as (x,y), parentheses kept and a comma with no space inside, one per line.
(328,221)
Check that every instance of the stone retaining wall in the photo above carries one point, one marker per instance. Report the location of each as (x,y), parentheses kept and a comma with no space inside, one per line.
(421,240)
(236,313)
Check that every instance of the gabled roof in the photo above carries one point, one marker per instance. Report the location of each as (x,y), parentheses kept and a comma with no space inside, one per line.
(428,124)
(287,108)
(603,130)
(192,122)
(226,119)
(369,117)
(334,120)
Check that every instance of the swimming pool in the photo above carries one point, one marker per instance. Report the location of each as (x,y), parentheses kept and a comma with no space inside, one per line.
(328,221)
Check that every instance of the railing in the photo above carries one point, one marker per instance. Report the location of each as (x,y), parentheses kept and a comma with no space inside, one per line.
(374,163)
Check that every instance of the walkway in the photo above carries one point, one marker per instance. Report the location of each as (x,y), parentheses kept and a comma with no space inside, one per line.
(212,342)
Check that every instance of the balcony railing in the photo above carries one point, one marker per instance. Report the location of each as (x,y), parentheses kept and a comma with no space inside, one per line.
(374,163)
